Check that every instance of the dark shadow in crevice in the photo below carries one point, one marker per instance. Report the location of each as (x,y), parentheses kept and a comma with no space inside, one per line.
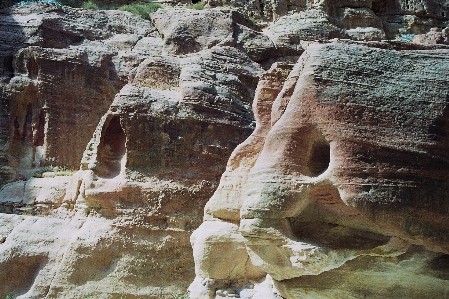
(39,138)
(19,273)
(111,149)
(319,153)
(319,157)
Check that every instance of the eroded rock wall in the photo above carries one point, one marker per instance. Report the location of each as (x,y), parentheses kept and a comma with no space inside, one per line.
(337,178)
(59,79)
(115,133)
(150,131)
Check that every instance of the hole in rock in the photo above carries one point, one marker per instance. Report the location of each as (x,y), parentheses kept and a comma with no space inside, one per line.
(319,157)
(195,1)
(111,149)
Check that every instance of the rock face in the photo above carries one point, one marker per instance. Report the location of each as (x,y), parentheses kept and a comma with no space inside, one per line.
(348,171)
(152,134)
(116,131)
(56,74)
(361,20)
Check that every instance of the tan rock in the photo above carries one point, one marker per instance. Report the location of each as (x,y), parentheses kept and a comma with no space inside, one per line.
(434,36)
(328,189)
(226,203)
(61,81)
(211,243)
(155,153)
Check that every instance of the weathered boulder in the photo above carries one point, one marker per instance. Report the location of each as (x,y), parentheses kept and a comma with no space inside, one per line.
(351,173)
(310,25)
(434,36)
(197,30)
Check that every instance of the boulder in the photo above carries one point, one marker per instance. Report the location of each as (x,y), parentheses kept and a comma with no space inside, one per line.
(196,30)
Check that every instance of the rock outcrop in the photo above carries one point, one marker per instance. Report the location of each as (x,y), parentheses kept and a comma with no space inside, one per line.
(115,132)
(345,178)
(361,20)
(58,80)
(151,131)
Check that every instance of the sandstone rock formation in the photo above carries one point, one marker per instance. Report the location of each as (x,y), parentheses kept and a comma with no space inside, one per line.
(346,178)
(361,20)
(151,154)
(115,131)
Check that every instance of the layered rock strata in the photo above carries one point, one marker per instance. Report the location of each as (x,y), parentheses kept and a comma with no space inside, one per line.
(115,131)
(347,177)
(150,155)
(361,20)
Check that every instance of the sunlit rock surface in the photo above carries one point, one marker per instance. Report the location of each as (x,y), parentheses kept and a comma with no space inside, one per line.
(115,132)
(346,178)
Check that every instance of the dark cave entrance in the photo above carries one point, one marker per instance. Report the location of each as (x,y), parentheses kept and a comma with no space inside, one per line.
(111,149)
(319,158)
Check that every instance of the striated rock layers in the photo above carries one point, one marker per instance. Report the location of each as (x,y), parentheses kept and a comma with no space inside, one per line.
(342,189)
(150,133)
(115,131)
(355,19)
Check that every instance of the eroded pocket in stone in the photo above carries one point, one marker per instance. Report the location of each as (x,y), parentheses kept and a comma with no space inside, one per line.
(111,149)
(319,154)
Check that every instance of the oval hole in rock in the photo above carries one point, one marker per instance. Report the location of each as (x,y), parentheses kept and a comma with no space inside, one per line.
(319,158)
(111,149)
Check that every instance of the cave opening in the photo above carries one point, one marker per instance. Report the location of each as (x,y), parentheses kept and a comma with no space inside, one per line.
(196,1)
(319,157)
(112,149)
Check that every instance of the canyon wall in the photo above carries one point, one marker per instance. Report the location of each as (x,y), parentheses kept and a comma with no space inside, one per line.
(343,180)
(311,149)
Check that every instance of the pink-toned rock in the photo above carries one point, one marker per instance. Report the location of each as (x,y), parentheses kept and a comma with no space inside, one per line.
(352,167)
(434,37)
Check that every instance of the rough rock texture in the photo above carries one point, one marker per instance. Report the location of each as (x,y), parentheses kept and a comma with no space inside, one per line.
(196,30)
(58,80)
(346,178)
(434,36)
(152,134)
(114,132)
(361,20)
